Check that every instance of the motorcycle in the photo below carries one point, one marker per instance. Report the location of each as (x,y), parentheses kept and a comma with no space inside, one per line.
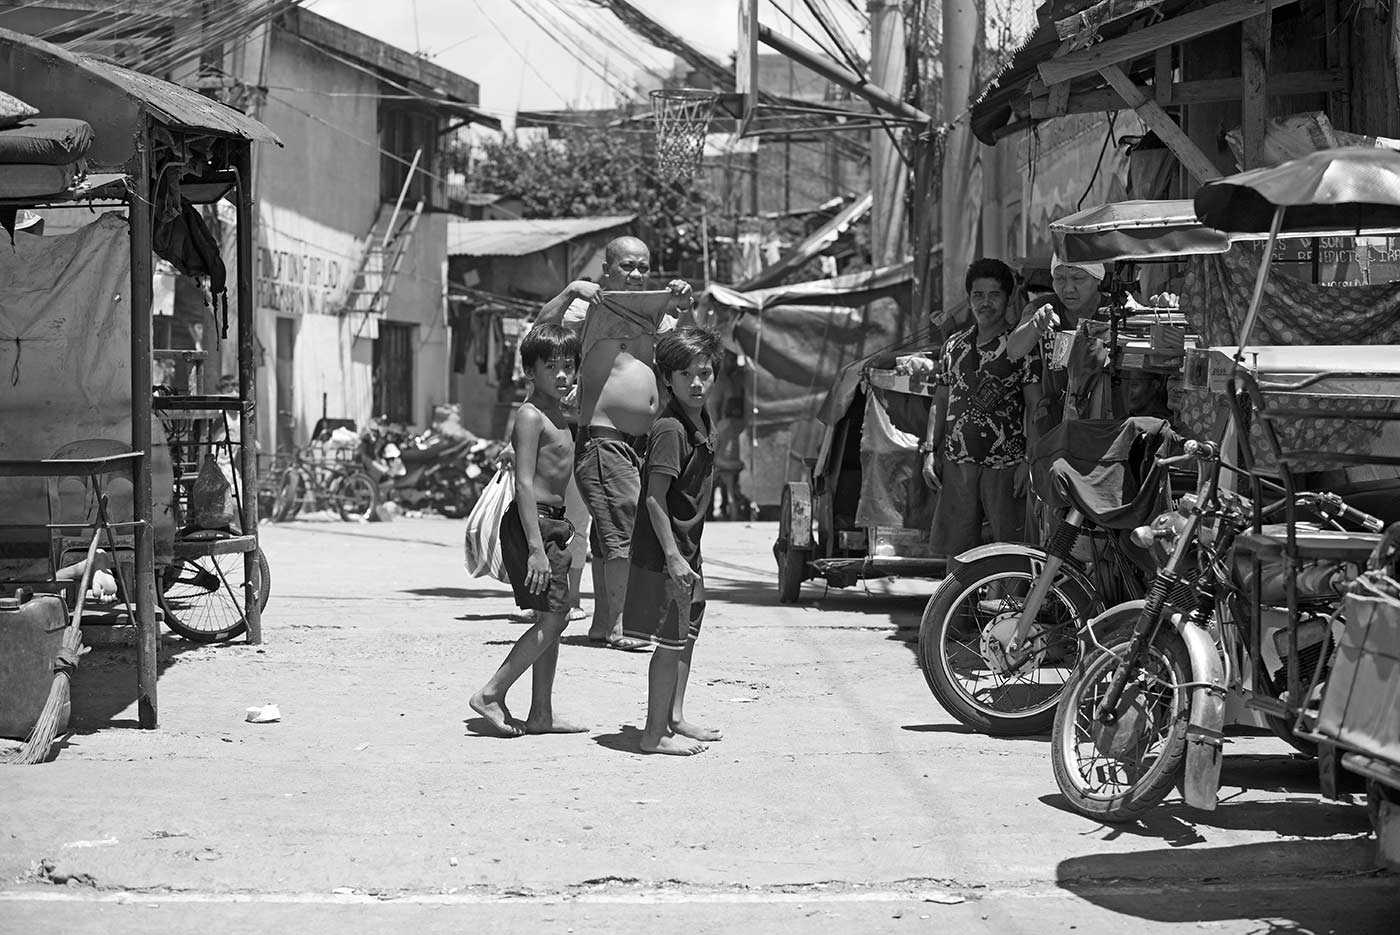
(1147,707)
(428,471)
(1003,631)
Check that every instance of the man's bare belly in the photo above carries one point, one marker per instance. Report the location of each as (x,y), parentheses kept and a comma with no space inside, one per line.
(619,390)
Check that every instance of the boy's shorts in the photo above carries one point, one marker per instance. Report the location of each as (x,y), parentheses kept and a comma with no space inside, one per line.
(661,611)
(556,531)
(608,472)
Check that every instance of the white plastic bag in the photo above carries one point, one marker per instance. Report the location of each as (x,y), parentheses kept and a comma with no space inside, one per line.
(483,540)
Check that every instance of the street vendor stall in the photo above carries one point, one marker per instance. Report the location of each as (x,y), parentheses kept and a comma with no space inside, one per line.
(75,319)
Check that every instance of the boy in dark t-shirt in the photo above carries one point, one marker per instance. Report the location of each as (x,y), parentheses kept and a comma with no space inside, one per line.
(665,586)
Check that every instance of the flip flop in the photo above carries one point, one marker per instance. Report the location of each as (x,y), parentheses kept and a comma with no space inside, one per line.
(623,644)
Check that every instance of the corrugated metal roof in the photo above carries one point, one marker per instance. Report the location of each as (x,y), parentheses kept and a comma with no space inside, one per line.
(67,84)
(520,238)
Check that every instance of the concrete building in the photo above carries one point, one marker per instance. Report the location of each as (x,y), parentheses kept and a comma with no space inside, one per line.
(352,250)
(351,240)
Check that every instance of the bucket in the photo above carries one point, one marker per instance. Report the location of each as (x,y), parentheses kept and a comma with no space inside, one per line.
(31,636)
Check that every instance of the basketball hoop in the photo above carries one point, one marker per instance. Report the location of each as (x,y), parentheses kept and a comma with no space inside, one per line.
(682,120)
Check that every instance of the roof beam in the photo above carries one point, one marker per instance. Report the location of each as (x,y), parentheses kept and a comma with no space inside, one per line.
(1145,41)
(1206,91)
(1156,119)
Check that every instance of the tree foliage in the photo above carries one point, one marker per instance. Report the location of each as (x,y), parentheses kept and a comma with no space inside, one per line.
(586,172)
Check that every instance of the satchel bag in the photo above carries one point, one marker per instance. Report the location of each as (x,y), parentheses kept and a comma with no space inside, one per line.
(482,545)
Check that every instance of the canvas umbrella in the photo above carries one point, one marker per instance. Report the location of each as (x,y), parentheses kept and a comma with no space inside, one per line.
(1331,191)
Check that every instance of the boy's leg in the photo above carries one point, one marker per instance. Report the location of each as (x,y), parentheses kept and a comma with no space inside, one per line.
(490,700)
(661,693)
(679,724)
(542,719)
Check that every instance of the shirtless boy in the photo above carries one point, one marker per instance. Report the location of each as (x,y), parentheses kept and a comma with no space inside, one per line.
(535,536)
(619,397)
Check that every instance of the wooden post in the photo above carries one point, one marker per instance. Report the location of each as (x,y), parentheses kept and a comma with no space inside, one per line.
(1157,120)
(139,213)
(247,389)
(1254,54)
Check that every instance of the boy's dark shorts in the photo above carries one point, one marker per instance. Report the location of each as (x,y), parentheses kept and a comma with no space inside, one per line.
(661,611)
(556,531)
(608,472)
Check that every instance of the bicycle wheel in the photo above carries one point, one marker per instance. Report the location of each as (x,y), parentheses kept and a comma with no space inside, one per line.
(203,597)
(291,491)
(355,495)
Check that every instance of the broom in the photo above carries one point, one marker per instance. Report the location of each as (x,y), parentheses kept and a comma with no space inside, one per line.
(41,738)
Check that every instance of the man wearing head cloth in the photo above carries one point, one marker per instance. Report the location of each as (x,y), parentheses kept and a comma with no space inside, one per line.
(1076,299)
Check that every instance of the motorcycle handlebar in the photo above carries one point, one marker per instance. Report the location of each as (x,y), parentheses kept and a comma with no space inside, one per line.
(1193,451)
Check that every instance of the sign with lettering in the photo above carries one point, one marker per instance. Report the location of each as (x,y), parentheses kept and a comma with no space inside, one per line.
(303,267)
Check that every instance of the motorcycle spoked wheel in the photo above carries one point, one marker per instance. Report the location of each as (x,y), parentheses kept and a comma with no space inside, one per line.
(955,637)
(1116,772)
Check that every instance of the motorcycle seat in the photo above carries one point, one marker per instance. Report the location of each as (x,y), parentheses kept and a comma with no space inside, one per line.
(1312,543)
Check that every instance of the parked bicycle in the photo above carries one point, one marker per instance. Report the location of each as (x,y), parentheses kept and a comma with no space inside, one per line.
(315,482)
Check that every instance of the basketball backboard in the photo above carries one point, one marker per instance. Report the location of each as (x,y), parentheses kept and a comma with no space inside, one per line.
(746,63)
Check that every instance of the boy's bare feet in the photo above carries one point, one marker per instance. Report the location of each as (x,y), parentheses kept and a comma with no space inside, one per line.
(704,734)
(497,715)
(674,746)
(554,724)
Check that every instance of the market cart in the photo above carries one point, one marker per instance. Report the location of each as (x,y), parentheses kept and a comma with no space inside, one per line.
(80,360)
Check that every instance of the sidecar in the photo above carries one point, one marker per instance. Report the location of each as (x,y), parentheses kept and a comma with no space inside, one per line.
(864,511)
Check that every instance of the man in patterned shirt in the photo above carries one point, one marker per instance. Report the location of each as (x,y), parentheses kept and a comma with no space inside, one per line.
(976,447)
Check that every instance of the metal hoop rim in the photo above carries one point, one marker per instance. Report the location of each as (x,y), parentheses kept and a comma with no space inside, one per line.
(684,95)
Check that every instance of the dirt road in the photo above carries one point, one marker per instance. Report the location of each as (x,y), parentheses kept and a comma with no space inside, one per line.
(841,798)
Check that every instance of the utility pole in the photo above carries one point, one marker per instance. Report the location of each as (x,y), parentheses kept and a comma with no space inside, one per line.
(960,203)
(889,178)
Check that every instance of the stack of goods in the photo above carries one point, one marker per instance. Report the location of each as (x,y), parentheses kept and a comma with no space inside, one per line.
(39,156)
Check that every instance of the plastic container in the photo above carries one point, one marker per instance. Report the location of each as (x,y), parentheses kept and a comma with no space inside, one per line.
(31,636)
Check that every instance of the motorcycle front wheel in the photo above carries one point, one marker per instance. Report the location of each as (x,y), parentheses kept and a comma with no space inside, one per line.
(1116,772)
(973,609)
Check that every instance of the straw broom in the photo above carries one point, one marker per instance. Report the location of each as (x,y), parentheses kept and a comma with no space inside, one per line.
(41,738)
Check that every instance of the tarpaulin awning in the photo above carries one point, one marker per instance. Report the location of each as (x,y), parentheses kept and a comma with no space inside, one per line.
(847,291)
(810,246)
(1135,230)
(523,237)
(112,99)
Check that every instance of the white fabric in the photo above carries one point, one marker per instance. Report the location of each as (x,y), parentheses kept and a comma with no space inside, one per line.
(1097,270)
(65,363)
(482,544)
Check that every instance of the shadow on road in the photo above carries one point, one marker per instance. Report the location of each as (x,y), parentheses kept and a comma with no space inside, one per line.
(628,739)
(104,684)
(1343,897)
(455,593)
(1305,815)
(964,729)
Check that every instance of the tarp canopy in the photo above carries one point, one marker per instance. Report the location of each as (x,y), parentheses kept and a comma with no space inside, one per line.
(65,334)
(797,340)
(1135,230)
(112,99)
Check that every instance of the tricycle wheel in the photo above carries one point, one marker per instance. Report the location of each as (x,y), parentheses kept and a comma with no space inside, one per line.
(202,597)
(792,571)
